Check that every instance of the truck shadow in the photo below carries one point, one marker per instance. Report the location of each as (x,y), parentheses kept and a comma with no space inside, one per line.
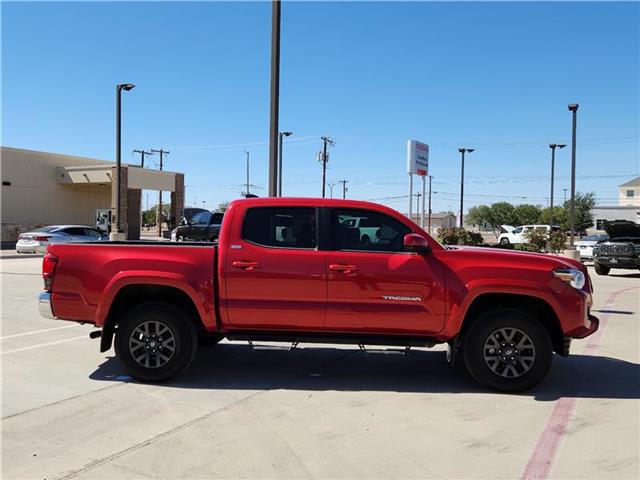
(236,367)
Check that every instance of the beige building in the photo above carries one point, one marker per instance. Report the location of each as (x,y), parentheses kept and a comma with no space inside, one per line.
(41,188)
(437,220)
(630,192)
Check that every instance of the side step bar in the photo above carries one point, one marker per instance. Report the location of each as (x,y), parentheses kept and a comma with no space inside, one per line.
(354,339)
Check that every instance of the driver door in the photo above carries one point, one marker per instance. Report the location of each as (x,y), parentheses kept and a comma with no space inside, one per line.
(374,286)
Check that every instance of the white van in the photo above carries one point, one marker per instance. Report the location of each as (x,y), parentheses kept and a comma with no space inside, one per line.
(518,234)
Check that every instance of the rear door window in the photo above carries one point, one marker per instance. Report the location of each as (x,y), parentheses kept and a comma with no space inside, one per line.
(281,227)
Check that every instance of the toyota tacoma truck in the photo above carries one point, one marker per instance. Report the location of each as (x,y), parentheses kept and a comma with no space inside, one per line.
(300,270)
(620,250)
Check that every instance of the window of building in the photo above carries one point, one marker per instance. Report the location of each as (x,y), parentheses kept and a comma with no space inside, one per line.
(366,230)
(630,193)
(281,227)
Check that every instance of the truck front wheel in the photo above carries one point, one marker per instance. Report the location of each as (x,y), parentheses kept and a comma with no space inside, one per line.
(155,342)
(601,269)
(508,350)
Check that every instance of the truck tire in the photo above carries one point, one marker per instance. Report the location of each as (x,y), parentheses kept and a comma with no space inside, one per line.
(507,350)
(155,341)
(601,269)
(504,241)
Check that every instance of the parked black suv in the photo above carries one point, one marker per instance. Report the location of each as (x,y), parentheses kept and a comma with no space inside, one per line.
(622,250)
(203,227)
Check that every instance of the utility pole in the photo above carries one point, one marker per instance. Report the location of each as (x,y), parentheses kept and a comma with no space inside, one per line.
(424,182)
(326,141)
(159,216)
(275,97)
(331,185)
(344,188)
(553,147)
(565,196)
(248,184)
(418,195)
(429,218)
(142,154)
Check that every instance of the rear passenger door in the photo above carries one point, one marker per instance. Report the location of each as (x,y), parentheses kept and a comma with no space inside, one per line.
(274,273)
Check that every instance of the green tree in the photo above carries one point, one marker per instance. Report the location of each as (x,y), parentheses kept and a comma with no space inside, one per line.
(584,203)
(559,217)
(222,206)
(526,214)
(479,216)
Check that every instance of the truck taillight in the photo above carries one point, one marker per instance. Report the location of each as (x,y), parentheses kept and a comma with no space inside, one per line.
(49,264)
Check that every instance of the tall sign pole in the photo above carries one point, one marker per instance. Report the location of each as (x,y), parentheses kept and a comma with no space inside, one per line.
(417,164)
(275,97)
(429,220)
(424,188)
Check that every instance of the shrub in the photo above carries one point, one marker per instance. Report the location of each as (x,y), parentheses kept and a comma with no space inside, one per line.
(557,241)
(459,236)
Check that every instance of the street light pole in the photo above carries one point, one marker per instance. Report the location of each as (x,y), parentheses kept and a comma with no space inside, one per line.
(280,136)
(126,87)
(573,108)
(463,151)
(553,147)
(247,192)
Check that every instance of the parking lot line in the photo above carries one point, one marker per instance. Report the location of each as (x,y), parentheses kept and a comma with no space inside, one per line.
(550,440)
(34,332)
(42,345)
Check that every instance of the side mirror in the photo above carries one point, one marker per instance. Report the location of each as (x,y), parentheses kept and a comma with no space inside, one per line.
(416,243)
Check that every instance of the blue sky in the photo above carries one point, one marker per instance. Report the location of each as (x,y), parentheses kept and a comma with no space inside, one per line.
(494,76)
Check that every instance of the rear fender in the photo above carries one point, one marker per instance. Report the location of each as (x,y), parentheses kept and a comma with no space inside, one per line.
(203,305)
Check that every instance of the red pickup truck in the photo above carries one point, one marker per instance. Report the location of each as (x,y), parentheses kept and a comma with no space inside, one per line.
(320,270)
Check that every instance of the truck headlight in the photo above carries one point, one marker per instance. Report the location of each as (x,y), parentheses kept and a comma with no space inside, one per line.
(572,276)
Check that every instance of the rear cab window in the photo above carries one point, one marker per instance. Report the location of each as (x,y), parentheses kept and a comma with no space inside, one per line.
(281,227)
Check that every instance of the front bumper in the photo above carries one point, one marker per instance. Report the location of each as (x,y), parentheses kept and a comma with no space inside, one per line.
(590,327)
(618,262)
(44,305)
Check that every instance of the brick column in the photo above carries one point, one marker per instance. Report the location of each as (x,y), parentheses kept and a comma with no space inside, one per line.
(134,199)
(177,199)
(123,198)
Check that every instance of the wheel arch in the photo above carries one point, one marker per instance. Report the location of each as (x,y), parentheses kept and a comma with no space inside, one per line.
(132,295)
(536,306)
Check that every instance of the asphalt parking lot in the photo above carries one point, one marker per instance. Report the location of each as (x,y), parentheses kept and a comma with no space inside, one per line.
(70,412)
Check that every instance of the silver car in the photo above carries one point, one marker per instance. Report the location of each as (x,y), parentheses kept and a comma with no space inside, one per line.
(37,241)
(585,245)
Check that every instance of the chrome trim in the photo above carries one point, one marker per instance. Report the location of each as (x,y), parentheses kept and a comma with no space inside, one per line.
(44,305)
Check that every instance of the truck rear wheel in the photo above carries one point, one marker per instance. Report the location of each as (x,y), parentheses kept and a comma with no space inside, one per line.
(508,350)
(155,342)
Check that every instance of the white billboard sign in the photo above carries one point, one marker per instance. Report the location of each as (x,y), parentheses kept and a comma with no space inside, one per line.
(417,158)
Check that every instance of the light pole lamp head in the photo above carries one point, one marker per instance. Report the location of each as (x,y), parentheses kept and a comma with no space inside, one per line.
(286,134)
(467,150)
(573,107)
(561,145)
(126,86)
(553,145)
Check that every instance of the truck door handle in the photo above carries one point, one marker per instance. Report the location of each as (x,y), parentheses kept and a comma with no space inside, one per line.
(247,265)
(340,267)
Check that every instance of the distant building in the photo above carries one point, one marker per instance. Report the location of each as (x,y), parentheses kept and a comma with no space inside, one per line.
(42,188)
(437,220)
(630,192)
(628,207)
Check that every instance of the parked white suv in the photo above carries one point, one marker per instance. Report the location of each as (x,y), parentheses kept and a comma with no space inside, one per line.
(518,234)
